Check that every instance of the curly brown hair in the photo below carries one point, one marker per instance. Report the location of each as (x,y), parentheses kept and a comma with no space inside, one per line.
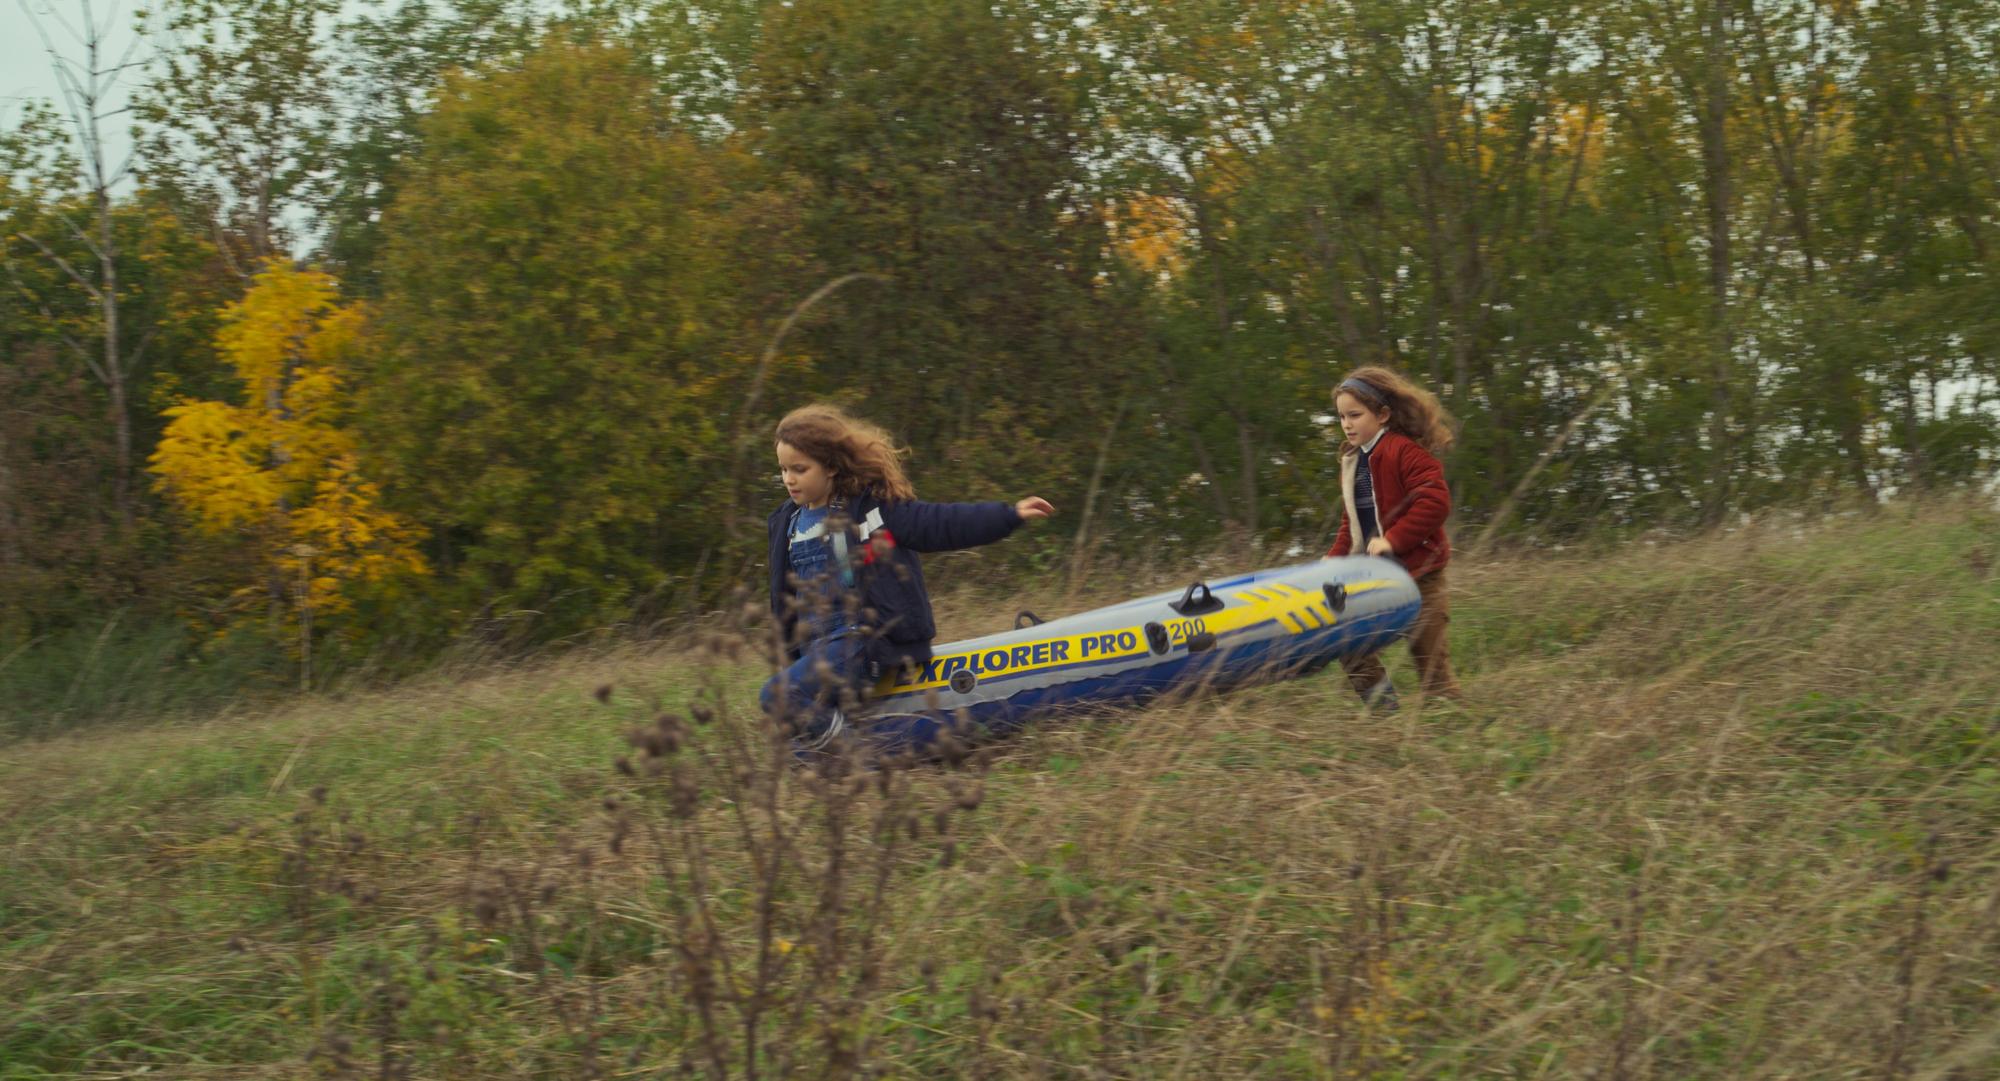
(861,456)
(1413,411)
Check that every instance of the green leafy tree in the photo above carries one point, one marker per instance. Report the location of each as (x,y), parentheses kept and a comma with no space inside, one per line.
(238,117)
(938,145)
(389,65)
(1913,237)
(555,305)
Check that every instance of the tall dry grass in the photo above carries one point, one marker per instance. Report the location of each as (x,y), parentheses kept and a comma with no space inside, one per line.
(1714,808)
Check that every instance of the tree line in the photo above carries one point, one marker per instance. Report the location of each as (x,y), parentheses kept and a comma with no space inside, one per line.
(426,318)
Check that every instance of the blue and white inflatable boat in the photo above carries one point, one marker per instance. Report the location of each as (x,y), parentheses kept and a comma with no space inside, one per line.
(1268,624)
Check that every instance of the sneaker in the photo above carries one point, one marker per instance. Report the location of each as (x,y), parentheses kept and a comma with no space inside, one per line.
(1382,697)
(836,722)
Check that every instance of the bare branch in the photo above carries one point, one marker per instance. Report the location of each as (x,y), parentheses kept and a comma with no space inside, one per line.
(14,275)
(96,294)
(738,429)
(1554,446)
(126,60)
(52,12)
(77,234)
(125,167)
(139,352)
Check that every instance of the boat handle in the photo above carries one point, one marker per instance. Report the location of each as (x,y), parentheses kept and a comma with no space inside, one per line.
(1024,619)
(1189,606)
(1336,596)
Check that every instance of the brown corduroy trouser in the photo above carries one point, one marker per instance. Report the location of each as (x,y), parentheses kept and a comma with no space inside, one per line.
(1427,646)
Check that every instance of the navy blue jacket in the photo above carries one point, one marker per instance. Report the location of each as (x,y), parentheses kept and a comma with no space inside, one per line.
(896,608)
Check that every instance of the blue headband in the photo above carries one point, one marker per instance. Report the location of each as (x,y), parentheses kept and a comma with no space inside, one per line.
(1366,390)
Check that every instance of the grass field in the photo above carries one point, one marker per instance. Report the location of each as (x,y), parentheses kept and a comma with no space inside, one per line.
(1726,807)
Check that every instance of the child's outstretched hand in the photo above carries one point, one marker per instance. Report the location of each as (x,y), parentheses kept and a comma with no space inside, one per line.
(1379,546)
(1033,507)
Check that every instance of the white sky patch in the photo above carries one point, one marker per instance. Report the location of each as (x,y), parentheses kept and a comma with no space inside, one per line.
(28,74)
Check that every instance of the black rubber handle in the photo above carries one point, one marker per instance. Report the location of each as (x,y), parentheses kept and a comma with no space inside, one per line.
(1188,605)
(1025,618)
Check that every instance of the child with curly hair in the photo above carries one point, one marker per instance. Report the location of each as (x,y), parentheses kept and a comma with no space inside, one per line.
(1396,504)
(847,590)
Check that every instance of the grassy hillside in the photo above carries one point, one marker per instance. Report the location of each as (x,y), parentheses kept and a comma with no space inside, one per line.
(1721,808)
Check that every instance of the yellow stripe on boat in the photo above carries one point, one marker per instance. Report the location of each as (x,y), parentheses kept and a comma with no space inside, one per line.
(1296,610)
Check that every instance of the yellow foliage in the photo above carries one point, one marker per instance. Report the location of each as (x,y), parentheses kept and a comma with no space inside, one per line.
(1151,231)
(343,536)
(277,468)
(1376,1021)
(213,461)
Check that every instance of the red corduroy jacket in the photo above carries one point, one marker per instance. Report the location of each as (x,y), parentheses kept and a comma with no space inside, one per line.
(1411,503)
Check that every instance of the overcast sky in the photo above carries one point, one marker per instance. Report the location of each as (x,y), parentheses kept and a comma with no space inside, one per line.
(25,73)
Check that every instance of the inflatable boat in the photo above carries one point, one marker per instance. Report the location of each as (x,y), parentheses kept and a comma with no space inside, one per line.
(1268,624)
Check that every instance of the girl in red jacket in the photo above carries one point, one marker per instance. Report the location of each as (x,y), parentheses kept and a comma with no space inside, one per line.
(1397,502)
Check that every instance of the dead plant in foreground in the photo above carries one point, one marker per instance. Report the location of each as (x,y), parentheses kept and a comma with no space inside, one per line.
(726,915)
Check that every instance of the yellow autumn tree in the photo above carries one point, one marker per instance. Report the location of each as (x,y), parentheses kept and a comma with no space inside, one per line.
(278,470)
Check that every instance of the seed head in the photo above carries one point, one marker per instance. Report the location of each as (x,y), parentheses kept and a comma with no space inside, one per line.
(672,732)
(685,794)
